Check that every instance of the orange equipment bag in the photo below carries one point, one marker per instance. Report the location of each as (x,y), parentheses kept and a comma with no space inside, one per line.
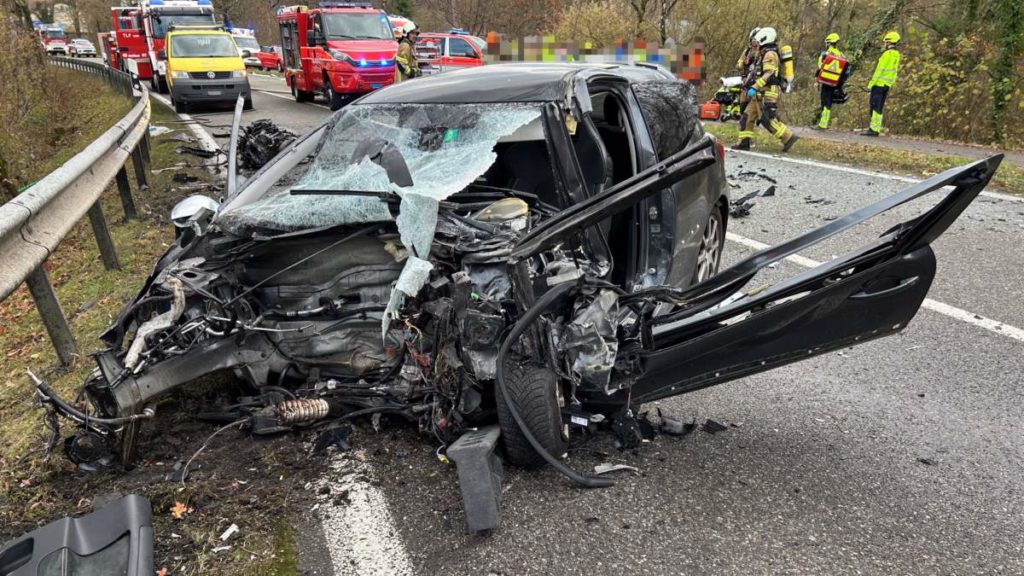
(710,110)
(831,70)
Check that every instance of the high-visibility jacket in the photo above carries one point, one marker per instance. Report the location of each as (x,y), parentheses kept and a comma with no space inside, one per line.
(886,69)
(405,61)
(830,50)
(767,82)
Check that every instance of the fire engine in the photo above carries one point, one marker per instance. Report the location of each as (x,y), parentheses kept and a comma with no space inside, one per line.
(53,39)
(139,32)
(340,50)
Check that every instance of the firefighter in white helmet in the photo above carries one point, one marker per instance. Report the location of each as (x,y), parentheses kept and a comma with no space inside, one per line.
(764,94)
(405,61)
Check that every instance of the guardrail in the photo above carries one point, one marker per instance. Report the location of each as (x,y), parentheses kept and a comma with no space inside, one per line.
(34,223)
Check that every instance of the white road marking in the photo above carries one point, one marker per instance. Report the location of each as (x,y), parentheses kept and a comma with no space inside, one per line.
(290,99)
(204,137)
(929,304)
(361,534)
(860,172)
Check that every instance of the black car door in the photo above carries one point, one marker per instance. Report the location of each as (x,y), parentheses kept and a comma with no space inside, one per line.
(718,333)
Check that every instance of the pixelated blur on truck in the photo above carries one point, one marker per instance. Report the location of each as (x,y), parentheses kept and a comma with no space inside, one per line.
(340,50)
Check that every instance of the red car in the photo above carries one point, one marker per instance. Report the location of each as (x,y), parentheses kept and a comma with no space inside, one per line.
(441,52)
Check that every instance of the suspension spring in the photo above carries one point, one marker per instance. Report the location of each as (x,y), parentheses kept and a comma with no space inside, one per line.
(302,411)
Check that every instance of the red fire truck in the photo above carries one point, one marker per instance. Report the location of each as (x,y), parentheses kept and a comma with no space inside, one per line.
(53,39)
(139,31)
(340,50)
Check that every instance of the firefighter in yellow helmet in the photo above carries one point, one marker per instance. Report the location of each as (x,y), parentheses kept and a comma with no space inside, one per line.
(764,94)
(405,61)
(882,80)
(831,75)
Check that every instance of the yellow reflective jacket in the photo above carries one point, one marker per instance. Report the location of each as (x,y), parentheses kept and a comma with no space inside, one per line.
(886,69)
(830,50)
(767,82)
(405,61)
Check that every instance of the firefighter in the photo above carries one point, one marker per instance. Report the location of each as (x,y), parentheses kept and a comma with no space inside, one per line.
(764,95)
(882,80)
(828,91)
(405,60)
(746,65)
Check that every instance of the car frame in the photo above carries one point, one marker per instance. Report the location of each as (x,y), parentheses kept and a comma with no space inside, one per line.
(571,297)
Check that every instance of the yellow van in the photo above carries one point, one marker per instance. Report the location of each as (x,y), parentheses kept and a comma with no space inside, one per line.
(204,65)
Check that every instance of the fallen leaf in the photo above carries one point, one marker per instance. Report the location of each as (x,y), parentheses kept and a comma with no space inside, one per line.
(179,510)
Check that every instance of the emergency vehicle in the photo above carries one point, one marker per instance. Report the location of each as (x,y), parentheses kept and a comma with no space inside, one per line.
(396,24)
(443,52)
(140,32)
(254,55)
(340,50)
(53,39)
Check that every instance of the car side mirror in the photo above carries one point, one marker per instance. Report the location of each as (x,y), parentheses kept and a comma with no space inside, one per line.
(194,212)
(317,39)
(246,53)
(161,55)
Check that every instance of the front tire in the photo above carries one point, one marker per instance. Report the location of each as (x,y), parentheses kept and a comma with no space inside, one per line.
(179,107)
(334,100)
(300,95)
(247,104)
(536,394)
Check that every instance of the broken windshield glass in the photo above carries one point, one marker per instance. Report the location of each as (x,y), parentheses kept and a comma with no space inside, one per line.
(445,146)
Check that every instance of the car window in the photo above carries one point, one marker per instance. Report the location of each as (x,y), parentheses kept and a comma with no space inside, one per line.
(202,46)
(459,48)
(668,109)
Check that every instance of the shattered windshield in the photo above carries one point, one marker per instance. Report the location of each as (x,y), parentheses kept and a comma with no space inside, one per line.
(443,147)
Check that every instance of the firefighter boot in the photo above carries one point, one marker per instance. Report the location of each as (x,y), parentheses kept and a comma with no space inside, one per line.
(789,143)
(743,144)
(826,117)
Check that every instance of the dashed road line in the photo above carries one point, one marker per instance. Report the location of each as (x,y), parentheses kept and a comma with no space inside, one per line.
(960,314)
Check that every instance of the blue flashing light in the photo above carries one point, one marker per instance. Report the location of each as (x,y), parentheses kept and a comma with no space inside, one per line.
(383,62)
(362,61)
(156,2)
(204,2)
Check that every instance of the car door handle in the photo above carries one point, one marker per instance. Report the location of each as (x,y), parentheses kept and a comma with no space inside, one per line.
(903,285)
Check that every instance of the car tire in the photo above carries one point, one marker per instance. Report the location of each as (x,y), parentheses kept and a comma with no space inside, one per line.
(280,67)
(179,107)
(247,104)
(535,391)
(709,255)
(300,95)
(334,100)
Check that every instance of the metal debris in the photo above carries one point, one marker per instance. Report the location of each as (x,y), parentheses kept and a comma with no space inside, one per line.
(608,467)
(260,142)
(713,426)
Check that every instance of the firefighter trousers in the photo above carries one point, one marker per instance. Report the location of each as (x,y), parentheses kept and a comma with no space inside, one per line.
(878,96)
(766,114)
(827,92)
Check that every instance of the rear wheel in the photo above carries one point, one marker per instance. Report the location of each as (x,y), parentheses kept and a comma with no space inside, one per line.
(247,104)
(709,256)
(300,95)
(536,394)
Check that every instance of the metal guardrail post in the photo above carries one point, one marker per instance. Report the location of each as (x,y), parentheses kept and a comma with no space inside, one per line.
(144,144)
(140,168)
(108,253)
(56,323)
(124,190)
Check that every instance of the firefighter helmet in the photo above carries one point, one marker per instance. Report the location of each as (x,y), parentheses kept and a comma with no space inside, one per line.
(753,32)
(409,27)
(891,37)
(832,38)
(765,36)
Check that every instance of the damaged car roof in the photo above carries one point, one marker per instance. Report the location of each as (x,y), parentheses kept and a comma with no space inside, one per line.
(500,83)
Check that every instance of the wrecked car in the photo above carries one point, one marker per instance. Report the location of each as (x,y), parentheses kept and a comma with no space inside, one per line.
(536,245)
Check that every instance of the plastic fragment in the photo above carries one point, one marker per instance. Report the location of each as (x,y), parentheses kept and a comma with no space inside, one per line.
(608,467)
(227,533)
(713,426)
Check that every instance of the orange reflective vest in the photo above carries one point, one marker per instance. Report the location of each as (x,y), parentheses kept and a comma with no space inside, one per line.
(831,69)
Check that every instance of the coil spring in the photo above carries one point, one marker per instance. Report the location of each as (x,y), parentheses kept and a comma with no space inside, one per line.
(302,410)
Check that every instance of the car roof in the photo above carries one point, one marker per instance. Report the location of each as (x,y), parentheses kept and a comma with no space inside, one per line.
(494,83)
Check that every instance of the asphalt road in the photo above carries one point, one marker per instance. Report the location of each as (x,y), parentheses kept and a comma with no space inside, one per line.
(900,456)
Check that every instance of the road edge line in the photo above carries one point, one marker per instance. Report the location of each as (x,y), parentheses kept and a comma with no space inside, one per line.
(862,172)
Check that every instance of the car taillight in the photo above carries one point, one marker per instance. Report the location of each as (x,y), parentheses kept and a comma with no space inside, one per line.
(720,148)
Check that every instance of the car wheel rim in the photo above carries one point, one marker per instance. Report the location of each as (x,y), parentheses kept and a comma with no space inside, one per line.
(707,257)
